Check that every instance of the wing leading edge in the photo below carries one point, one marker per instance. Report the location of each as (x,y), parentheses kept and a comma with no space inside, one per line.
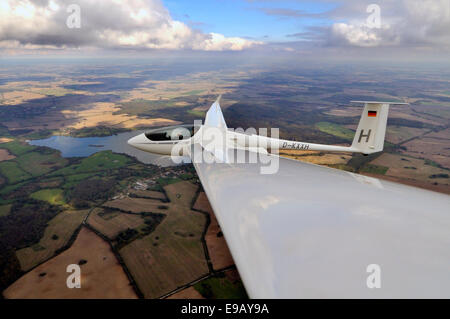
(311,232)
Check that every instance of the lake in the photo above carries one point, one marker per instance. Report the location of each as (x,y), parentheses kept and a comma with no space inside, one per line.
(86,146)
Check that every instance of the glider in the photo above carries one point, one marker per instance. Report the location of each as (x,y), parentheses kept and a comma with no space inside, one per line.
(308,231)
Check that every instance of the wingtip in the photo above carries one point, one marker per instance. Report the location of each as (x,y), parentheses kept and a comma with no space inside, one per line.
(214,116)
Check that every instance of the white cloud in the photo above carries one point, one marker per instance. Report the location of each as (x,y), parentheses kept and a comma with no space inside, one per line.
(407,23)
(360,35)
(217,41)
(136,24)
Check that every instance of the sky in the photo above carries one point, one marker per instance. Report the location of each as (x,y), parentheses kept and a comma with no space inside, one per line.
(322,27)
(249,19)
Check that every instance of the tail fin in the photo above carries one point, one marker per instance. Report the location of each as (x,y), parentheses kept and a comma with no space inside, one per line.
(369,136)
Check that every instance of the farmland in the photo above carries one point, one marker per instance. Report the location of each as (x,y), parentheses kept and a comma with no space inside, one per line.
(56,235)
(32,195)
(336,130)
(137,205)
(430,147)
(411,168)
(177,240)
(27,161)
(146,228)
(97,162)
(148,194)
(153,228)
(397,134)
(111,223)
(17,148)
(319,158)
(5,155)
(217,247)
(42,162)
(13,172)
(49,279)
(54,196)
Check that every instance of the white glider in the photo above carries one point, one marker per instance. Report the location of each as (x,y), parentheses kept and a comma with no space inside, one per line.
(369,136)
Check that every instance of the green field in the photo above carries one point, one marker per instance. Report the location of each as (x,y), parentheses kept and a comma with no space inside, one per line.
(78,177)
(194,92)
(54,196)
(10,188)
(17,148)
(72,180)
(29,162)
(197,113)
(13,172)
(39,163)
(97,162)
(336,130)
(163,181)
(53,181)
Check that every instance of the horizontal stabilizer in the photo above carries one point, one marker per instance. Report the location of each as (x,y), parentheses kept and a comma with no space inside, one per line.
(380,102)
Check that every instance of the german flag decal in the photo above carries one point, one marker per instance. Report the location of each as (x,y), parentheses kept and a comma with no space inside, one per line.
(372,114)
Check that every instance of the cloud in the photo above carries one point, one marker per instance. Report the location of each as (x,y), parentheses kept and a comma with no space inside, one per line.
(404,24)
(135,24)
(311,33)
(358,35)
(407,23)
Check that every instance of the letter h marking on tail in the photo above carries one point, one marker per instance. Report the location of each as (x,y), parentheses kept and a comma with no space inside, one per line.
(361,135)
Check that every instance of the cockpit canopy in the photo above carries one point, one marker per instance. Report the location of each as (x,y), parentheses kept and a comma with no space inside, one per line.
(172,133)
